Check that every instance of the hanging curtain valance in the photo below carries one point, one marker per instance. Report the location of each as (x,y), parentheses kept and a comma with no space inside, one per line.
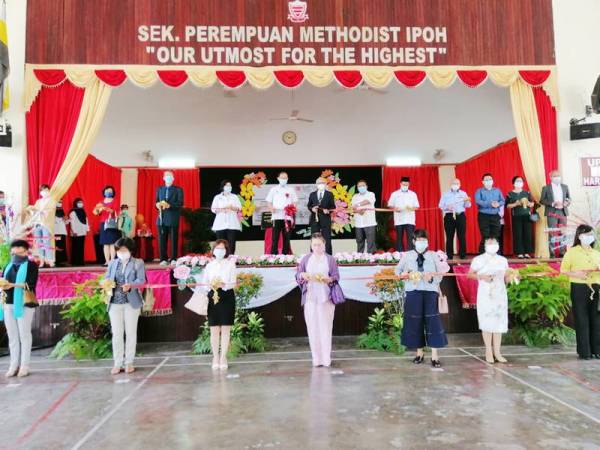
(37,76)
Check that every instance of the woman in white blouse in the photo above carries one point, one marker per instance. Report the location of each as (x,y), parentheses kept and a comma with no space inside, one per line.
(226,206)
(219,280)
(79,230)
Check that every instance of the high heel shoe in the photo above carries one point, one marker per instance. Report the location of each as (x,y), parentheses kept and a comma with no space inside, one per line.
(418,359)
(500,359)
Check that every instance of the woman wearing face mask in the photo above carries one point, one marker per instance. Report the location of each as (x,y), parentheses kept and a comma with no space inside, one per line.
(316,273)
(60,234)
(219,280)
(109,232)
(44,211)
(492,298)
(79,229)
(125,303)
(422,321)
(16,313)
(585,288)
(520,202)
(226,207)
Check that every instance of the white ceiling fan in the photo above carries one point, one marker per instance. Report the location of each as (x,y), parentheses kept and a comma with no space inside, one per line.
(294,116)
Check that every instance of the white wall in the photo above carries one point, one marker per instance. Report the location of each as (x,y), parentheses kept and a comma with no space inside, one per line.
(13,177)
(576,24)
(350,128)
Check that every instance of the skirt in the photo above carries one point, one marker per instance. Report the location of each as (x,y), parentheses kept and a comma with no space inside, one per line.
(222,313)
(110,236)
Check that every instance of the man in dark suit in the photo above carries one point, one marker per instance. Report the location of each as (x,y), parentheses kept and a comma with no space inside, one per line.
(556,200)
(321,204)
(169,201)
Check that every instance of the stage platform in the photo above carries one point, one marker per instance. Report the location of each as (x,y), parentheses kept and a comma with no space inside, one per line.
(169,321)
(543,398)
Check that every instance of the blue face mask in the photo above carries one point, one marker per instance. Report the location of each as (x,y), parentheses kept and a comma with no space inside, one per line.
(109,194)
(282,181)
(362,189)
(227,189)
(169,180)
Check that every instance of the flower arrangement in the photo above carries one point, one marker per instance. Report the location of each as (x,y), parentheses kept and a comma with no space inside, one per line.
(290,217)
(341,217)
(246,195)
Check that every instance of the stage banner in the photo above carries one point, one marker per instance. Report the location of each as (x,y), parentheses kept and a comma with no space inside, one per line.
(290,32)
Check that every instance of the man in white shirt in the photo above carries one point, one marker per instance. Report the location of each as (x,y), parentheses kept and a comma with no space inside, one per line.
(278,198)
(365,224)
(404,202)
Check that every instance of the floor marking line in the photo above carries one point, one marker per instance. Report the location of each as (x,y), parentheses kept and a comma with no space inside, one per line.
(53,407)
(535,388)
(108,415)
(272,361)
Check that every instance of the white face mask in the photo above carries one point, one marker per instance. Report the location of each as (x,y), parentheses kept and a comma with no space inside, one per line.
(404,188)
(45,194)
(492,249)
(455,187)
(556,180)
(124,255)
(488,183)
(227,188)
(321,187)
(587,239)
(421,246)
(519,184)
(219,253)
(282,181)
(79,205)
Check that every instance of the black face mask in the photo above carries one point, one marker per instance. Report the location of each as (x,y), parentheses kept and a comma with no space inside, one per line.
(18,259)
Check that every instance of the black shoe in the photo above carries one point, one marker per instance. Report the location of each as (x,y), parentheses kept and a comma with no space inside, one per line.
(587,358)
(418,360)
(436,363)
(596,356)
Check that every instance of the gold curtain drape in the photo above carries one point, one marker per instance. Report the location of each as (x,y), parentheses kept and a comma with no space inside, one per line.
(93,108)
(530,149)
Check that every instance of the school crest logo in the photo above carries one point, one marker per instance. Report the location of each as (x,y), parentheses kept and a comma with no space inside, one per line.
(297,11)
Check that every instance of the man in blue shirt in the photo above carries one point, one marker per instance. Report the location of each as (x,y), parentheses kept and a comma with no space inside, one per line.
(453,204)
(489,200)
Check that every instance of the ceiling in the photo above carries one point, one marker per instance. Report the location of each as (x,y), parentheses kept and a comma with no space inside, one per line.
(351,127)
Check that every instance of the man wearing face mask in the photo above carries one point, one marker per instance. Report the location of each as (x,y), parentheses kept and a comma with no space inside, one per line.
(453,205)
(365,222)
(277,199)
(16,312)
(227,224)
(489,200)
(404,202)
(169,201)
(556,199)
(321,204)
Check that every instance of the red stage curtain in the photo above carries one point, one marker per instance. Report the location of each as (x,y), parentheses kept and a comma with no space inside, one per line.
(472,78)
(173,78)
(51,123)
(50,77)
(503,162)
(534,77)
(113,78)
(88,185)
(424,181)
(547,120)
(348,78)
(289,78)
(410,78)
(231,78)
(148,182)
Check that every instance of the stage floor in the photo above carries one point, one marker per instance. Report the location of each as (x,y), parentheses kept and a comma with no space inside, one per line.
(367,400)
